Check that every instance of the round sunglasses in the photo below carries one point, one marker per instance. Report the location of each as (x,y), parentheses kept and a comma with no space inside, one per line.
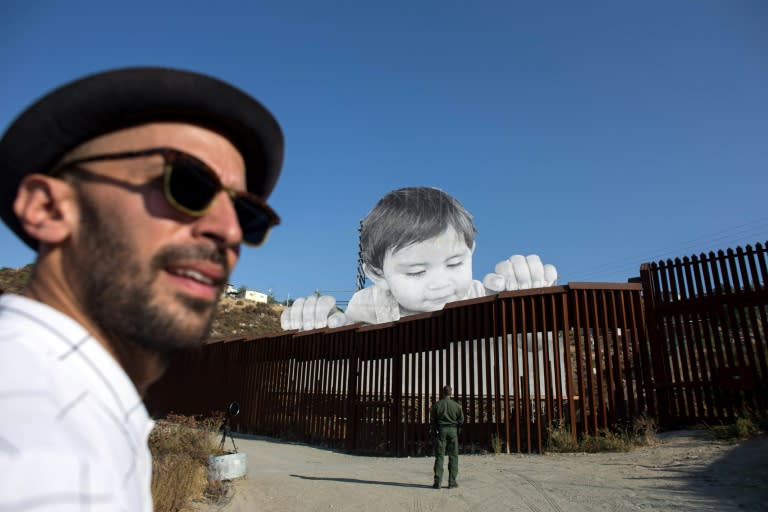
(190,186)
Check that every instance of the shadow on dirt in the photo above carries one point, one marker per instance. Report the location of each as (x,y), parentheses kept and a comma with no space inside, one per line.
(740,477)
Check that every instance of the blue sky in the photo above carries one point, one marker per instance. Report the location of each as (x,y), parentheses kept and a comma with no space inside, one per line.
(598,135)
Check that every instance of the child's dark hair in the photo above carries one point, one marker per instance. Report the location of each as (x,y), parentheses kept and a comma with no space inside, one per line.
(410,215)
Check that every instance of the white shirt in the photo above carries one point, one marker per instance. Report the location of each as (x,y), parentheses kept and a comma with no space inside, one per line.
(73,429)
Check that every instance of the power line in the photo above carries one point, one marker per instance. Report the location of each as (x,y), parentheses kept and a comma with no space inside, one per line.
(742,234)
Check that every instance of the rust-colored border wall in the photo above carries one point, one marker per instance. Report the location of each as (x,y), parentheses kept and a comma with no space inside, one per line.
(687,346)
(574,356)
(707,318)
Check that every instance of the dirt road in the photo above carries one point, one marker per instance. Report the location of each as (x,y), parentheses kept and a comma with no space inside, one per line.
(685,472)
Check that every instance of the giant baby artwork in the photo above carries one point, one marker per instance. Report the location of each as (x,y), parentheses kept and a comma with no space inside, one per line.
(416,247)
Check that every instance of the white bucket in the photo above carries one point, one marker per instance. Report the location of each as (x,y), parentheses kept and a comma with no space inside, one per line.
(227,467)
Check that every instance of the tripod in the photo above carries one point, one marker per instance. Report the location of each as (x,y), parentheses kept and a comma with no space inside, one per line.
(226,430)
(232,410)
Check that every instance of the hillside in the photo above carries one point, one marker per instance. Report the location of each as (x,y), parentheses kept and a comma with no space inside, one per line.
(235,318)
(238,317)
(12,280)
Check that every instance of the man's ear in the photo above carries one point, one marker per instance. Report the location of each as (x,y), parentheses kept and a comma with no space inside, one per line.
(375,275)
(46,208)
(472,250)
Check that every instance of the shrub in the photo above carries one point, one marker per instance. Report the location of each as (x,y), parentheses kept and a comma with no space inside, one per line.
(180,447)
(642,432)
(496,443)
(746,425)
(559,439)
(177,479)
(606,441)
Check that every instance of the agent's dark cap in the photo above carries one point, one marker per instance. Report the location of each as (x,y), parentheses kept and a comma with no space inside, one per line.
(105,102)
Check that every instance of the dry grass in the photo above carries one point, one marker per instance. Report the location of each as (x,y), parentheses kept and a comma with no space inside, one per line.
(496,443)
(747,424)
(642,432)
(180,448)
(177,480)
(559,439)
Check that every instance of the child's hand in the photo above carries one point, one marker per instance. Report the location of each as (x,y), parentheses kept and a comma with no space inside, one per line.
(312,312)
(520,273)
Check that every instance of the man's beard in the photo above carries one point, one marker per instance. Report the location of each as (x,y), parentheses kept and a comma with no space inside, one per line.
(117,290)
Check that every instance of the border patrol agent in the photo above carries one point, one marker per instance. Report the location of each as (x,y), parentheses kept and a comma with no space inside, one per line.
(446,419)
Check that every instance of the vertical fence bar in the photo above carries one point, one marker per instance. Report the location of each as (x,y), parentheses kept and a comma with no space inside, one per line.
(623,404)
(419,347)
(656,370)
(533,349)
(497,378)
(608,384)
(470,363)
(703,370)
(525,395)
(594,355)
(549,338)
(687,356)
(714,360)
(722,351)
(354,376)
(568,363)
(752,336)
(580,333)
(761,321)
(408,356)
(724,331)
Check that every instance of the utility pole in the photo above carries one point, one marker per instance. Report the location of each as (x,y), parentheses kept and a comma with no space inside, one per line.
(360,272)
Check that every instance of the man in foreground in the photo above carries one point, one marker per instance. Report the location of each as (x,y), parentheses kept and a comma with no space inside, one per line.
(136,188)
(446,419)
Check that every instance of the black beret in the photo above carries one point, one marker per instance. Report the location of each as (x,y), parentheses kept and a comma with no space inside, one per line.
(104,102)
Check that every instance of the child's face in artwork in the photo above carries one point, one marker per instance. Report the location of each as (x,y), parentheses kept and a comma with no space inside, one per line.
(424,276)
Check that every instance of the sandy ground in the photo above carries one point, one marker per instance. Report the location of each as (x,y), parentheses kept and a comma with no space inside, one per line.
(685,472)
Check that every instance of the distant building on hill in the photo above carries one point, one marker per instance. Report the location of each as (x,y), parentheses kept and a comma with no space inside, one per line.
(255,296)
(245,294)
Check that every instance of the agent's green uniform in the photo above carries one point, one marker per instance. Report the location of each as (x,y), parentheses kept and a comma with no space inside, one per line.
(446,420)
